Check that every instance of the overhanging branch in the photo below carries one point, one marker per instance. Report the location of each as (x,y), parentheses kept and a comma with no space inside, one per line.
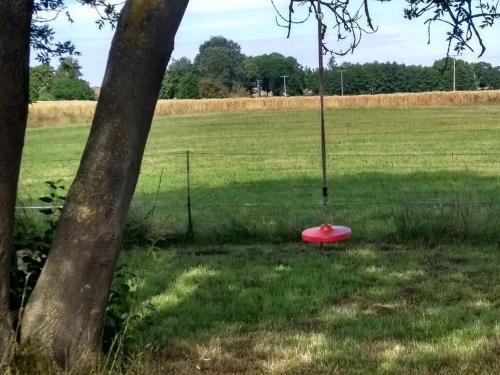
(349,20)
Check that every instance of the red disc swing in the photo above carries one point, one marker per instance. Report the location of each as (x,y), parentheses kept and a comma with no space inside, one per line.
(326,233)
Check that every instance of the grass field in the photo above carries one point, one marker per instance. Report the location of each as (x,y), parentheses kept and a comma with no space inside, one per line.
(292,309)
(424,174)
(416,291)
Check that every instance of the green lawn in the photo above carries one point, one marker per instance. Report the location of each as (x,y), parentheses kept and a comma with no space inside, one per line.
(296,309)
(395,174)
(416,290)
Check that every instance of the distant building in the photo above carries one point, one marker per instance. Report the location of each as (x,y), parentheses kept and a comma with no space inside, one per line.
(96,90)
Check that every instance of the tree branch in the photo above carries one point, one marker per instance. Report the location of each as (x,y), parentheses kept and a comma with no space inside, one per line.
(343,18)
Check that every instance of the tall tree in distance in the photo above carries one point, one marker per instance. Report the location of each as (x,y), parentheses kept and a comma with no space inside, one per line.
(69,67)
(486,76)
(65,83)
(181,80)
(41,80)
(271,68)
(68,83)
(220,63)
(446,70)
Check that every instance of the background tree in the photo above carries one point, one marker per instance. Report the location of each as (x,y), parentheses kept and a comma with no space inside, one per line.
(69,67)
(41,79)
(64,88)
(332,63)
(270,68)
(486,76)
(251,73)
(384,78)
(68,84)
(220,59)
(189,86)
(213,89)
(65,83)
(181,80)
(443,75)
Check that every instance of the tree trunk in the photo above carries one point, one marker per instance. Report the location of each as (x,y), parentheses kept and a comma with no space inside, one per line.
(15,20)
(65,312)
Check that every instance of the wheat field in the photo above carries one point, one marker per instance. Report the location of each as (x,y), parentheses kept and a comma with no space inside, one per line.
(68,112)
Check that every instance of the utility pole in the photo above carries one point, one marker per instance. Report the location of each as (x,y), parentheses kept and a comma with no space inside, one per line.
(454,72)
(284,84)
(342,82)
(258,83)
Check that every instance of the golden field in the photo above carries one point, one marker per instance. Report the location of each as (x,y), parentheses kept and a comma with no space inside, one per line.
(66,112)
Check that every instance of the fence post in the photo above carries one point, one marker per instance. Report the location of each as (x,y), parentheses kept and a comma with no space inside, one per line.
(190,232)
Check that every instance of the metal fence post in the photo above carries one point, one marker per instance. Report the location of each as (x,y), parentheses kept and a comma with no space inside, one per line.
(190,232)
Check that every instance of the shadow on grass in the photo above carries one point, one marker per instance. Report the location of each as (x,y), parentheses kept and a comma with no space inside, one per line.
(294,309)
(425,207)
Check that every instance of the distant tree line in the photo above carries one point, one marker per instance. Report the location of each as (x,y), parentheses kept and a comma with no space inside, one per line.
(384,78)
(63,83)
(220,70)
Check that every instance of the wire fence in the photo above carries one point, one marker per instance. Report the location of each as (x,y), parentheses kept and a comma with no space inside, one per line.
(200,189)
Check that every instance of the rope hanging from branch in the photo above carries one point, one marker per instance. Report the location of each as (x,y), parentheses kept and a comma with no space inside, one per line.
(321,85)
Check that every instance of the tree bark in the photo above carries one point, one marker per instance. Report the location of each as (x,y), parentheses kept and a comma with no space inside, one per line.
(65,312)
(15,20)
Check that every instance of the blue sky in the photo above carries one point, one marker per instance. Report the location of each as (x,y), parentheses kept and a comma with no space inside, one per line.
(252,24)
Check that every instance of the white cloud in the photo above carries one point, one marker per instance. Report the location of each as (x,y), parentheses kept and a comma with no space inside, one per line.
(209,6)
(222,24)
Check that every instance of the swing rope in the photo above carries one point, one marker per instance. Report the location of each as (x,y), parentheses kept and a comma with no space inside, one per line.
(326,233)
(319,17)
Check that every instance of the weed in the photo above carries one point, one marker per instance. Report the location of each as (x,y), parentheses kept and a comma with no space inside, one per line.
(32,241)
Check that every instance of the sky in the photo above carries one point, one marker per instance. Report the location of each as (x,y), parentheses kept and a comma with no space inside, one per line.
(252,23)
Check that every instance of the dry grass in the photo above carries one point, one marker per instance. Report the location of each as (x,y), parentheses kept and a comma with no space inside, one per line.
(60,112)
(66,112)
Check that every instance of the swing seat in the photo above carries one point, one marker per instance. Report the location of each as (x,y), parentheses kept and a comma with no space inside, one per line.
(326,233)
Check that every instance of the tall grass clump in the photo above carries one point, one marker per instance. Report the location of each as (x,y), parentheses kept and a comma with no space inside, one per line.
(457,222)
